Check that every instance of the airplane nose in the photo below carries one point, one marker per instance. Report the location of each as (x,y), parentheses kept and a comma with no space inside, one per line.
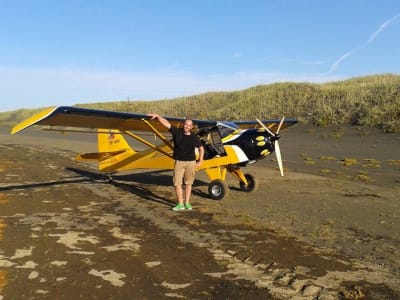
(275,137)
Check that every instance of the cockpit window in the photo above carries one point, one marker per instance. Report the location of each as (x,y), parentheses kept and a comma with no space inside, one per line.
(226,128)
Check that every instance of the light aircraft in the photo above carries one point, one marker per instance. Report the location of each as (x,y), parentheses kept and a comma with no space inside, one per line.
(229,146)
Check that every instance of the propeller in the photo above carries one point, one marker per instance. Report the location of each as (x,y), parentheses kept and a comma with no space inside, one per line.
(275,140)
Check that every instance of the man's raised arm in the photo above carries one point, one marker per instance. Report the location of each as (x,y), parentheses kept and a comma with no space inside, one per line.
(162,120)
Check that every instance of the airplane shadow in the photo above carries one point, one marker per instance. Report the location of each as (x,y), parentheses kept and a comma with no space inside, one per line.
(78,179)
(160,178)
(138,183)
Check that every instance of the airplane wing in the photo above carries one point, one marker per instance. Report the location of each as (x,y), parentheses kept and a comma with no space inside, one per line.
(66,116)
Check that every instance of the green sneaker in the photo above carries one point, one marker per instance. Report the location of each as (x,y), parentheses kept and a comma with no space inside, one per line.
(188,206)
(178,207)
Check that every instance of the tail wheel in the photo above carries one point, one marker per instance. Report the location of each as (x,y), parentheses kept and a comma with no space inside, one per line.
(218,189)
(252,183)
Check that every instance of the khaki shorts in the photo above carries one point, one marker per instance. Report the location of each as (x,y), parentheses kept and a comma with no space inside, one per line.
(184,170)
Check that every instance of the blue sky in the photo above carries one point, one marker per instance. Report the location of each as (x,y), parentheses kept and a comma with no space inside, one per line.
(67,52)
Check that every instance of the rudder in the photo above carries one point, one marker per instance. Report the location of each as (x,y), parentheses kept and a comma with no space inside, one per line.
(111,140)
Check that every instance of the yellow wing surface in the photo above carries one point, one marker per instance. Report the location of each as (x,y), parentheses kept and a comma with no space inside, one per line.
(66,116)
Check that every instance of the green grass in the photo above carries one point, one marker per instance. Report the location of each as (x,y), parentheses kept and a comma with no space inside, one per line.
(394,162)
(327,158)
(372,101)
(349,161)
(371,163)
(363,176)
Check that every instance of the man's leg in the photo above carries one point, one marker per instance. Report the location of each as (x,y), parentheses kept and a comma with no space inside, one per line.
(189,179)
(178,177)
(179,194)
(188,192)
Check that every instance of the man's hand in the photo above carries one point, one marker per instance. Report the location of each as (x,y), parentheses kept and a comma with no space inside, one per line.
(162,120)
(198,164)
(201,157)
(153,116)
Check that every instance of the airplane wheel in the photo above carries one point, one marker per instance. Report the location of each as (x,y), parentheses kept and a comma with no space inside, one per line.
(252,183)
(218,189)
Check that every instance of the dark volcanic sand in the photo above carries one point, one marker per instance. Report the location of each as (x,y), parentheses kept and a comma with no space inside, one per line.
(330,228)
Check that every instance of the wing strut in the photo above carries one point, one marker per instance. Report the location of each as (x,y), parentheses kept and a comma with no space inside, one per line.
(150,145)
(156,132)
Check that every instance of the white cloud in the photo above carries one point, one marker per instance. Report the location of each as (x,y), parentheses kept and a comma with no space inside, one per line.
(371,39)
(381,28)
(236,55)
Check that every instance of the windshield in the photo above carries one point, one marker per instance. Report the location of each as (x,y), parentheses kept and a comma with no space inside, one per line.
(226,128)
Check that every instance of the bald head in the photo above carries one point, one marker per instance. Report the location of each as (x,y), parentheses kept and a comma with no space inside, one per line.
(188,126)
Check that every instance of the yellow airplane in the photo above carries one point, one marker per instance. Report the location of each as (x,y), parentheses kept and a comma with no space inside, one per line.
(229,146)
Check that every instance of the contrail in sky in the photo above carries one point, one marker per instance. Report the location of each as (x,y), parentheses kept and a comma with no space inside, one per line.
(372,37)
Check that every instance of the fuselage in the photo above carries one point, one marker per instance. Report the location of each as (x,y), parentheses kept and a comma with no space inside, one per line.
(255,143)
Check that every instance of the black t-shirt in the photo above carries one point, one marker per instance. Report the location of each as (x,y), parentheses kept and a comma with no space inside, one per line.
(184,144)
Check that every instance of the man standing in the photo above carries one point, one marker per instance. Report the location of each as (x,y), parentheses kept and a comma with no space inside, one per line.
(184,155)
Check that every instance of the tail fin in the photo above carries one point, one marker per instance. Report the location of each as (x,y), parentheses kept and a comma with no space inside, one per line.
(111,141)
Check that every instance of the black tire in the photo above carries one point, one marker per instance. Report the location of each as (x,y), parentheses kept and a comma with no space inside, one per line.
(252,183)
(218,189)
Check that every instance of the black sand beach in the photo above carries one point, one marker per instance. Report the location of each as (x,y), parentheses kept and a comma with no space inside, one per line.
(328,229)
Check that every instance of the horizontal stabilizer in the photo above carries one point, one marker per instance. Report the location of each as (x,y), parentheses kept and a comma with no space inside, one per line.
(99,156)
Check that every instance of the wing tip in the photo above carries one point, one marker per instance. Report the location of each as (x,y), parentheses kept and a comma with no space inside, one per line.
(36,118)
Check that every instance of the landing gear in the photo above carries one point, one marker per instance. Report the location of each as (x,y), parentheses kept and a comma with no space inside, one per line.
(252,183)
(218,189)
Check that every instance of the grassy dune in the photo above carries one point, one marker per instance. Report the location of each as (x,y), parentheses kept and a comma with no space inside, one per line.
(368,101)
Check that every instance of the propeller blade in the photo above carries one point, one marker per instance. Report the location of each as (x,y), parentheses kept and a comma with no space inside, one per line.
(276,143)
(278,156)
(265,127)
(280,125)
